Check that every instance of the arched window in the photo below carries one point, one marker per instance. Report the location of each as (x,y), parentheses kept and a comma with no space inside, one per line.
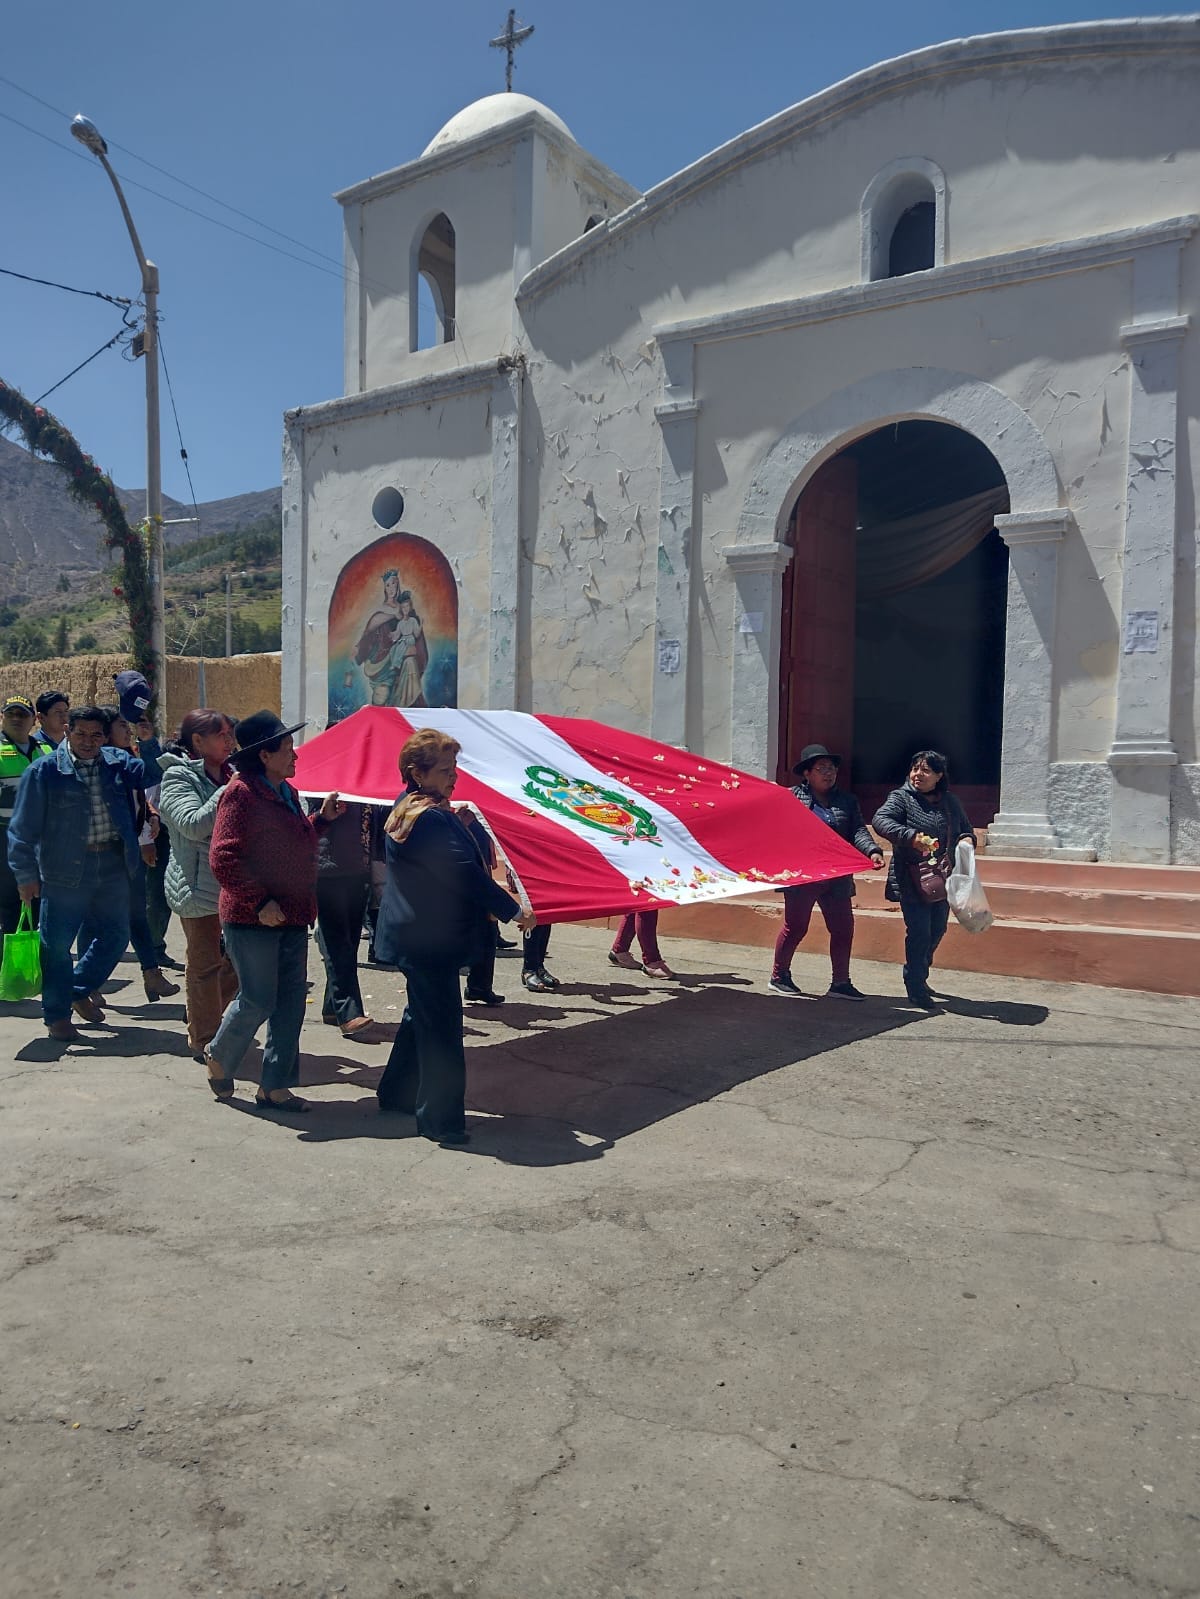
(903,217)
(432,318)
(593,221)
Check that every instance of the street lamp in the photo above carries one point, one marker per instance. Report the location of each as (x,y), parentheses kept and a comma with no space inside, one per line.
(91,138)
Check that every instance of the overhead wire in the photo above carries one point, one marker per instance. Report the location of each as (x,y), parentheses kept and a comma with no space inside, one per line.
(108,346)
(146,162)
(47,283)
(170,200)
(183,454)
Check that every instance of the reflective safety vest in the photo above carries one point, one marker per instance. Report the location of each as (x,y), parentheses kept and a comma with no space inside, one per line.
(14,763)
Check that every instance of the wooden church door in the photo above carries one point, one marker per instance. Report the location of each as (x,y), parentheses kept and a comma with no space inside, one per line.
(816,678)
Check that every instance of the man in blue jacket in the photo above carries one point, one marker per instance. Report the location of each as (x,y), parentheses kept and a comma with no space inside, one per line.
(72,840)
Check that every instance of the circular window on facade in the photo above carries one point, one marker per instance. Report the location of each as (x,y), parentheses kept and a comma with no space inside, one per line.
(388,508)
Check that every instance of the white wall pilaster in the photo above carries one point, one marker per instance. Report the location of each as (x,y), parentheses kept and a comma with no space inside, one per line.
(1023,823)
(1143,750)
(295,571)
(676,416)
(754,711)
(507,393)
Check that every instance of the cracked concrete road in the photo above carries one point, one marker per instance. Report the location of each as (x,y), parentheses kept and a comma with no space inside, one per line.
(730,1295)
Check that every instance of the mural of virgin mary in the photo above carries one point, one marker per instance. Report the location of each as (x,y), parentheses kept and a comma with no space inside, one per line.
(392,651)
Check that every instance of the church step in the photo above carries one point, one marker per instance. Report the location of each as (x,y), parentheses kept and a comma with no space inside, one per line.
(997,868)
(1132,909)
(1148,959)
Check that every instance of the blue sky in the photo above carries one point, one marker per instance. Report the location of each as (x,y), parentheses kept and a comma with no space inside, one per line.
(271,106)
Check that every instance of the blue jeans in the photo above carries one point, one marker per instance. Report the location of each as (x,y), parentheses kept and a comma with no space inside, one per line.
(924,929)
(272,968)
(101,900)
(140,936)
(426,1073)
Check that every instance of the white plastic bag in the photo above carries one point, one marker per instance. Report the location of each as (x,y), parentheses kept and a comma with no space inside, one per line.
(965,892)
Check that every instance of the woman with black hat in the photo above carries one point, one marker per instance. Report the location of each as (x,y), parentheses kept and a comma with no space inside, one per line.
(817,770)
(264,856)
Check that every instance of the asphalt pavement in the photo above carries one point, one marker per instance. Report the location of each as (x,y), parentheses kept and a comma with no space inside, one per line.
(730,1294)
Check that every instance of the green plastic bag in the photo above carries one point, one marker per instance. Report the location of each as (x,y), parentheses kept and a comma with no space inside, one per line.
(21,971)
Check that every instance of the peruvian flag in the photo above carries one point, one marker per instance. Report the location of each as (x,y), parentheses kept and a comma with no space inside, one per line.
(588,820)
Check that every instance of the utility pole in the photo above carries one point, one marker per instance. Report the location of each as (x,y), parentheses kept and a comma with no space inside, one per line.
(90,137)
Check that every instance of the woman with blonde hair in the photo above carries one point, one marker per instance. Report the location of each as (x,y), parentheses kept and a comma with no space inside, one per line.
(436,917)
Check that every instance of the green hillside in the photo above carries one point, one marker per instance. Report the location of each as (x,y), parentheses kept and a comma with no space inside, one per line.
(82,615)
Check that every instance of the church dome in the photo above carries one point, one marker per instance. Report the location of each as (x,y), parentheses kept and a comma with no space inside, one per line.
(489,115)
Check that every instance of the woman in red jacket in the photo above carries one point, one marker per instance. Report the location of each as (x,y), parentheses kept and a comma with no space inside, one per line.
(264,856)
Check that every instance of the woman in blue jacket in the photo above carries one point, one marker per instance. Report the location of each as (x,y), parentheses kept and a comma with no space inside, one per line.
(439,904)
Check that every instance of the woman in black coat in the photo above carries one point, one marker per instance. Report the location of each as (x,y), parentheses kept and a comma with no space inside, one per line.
(817,790)
(436,917)
(920,820)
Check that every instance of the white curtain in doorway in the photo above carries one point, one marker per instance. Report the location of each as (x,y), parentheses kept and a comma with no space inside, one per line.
(899,555)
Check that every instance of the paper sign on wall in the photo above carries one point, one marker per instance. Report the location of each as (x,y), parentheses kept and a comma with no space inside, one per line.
(670,655)
(751,622)
(1141,632)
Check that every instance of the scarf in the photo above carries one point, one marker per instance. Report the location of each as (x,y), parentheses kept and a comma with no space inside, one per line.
(408,810)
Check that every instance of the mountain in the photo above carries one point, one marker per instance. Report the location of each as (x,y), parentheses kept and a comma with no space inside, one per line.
(44,532)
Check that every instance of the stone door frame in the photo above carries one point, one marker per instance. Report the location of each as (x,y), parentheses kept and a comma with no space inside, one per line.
(1035,526)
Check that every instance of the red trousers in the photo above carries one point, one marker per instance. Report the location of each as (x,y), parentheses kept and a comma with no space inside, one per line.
(838,912)
(646,925)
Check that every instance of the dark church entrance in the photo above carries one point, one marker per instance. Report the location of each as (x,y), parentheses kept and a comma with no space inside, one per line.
(894,612)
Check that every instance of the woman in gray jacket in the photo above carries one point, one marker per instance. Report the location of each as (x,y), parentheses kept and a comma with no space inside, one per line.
(194,774)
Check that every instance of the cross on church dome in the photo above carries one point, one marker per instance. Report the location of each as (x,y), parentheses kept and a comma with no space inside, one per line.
(515,33)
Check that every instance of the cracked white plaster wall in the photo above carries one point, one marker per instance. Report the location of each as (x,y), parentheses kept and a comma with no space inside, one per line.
(442,455)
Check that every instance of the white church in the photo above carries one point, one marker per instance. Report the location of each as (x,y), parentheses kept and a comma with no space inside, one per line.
(878,427)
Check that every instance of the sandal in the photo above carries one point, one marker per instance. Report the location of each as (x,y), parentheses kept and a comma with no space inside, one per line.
(358,1025)
(657,969)
(221,1085)
(538,982)
(293,1105)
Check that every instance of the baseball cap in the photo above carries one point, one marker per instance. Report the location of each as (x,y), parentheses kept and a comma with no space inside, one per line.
(133,692)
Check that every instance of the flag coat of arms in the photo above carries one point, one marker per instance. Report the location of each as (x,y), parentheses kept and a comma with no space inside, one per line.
(589,820)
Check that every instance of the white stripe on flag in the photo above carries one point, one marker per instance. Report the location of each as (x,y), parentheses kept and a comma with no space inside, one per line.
(498,748)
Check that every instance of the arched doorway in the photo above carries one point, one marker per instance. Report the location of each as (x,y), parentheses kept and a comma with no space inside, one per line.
(894,609)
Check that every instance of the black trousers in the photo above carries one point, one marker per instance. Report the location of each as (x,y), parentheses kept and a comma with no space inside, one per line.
(426,1073)
(341,904)
(533,948)
(924,929)
(481,974)
(158,912)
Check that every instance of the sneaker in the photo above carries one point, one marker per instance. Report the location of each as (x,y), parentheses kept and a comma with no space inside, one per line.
(922,999)
(844,991)
(785,986)
(622,957)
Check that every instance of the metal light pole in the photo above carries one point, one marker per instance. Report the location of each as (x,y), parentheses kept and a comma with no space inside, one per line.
(90,137)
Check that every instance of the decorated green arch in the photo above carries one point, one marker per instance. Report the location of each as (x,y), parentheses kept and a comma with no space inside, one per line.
(45,435)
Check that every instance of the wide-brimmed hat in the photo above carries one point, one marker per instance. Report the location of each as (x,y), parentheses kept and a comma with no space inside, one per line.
(264,727)
(811,753)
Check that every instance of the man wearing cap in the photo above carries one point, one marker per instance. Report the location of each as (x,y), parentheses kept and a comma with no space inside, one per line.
(20,746)
(72,839)
(818,791)
(53,708)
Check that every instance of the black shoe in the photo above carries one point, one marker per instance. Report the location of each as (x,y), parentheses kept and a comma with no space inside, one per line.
(784,985)
(504,943)
(484,998)
(451,1140)
(843,991)
(169,965)
(922,999)
(539,982)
